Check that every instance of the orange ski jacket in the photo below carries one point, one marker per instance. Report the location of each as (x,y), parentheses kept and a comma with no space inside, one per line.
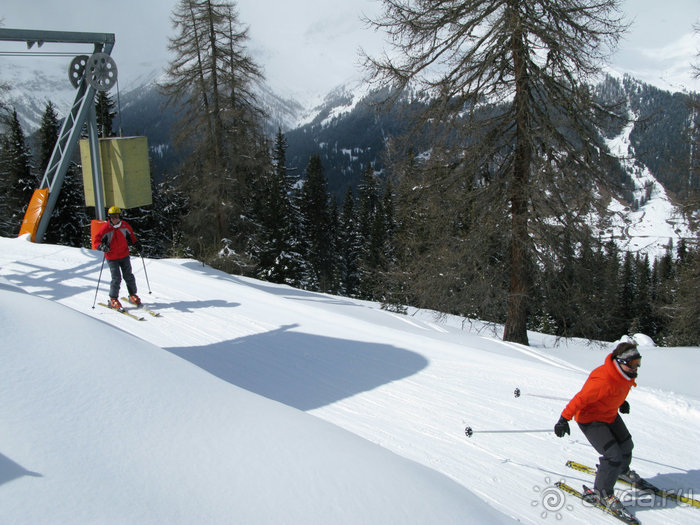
(601,396)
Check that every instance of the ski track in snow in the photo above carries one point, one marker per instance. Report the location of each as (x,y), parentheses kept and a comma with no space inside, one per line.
(411,386)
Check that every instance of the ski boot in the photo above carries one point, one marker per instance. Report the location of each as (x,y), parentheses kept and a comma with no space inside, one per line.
(114,303)
(631,477)
(611,501)
(614,504)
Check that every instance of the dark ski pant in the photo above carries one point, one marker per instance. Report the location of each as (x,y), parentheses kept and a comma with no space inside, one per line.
(117,268)
(614,442)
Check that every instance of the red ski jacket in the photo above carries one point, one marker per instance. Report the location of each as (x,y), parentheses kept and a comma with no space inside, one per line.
(602,394)
(116,238)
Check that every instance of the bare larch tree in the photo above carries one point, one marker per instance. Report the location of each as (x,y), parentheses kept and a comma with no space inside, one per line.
(532,61)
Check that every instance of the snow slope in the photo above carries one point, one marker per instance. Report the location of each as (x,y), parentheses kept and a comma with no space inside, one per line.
(249,402)
(657,222)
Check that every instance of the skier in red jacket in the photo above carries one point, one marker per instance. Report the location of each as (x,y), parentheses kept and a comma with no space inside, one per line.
(595,409)
(114,239)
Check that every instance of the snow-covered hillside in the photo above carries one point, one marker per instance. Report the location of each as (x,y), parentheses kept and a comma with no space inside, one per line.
(249,402)
(29,90)
(657,222)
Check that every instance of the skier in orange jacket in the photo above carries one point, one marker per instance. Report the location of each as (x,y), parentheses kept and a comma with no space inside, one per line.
(595,409)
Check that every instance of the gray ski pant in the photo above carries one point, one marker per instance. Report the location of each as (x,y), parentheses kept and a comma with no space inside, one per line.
(117,268)
(614,443)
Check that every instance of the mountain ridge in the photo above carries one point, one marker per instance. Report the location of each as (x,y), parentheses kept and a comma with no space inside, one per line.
(349,134)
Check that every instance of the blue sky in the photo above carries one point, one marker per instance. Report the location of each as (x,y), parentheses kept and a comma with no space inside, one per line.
(307,47)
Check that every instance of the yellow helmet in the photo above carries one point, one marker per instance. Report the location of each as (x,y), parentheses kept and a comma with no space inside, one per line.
(114,210)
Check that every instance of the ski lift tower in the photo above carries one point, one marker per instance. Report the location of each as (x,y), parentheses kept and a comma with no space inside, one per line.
(88,74)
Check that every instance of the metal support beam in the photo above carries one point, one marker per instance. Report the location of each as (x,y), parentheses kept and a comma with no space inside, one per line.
(39,37)
(63,151)
(95,160)
(82,111)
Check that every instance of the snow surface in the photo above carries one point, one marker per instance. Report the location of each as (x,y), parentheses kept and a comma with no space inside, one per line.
(250,402)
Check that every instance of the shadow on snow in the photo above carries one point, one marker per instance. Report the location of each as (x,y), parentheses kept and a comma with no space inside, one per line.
(302,370)
(10,470)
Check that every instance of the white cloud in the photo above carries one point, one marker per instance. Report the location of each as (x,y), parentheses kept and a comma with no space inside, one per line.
(310,46)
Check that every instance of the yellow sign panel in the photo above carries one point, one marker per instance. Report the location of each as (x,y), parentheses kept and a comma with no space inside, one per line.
(126,176)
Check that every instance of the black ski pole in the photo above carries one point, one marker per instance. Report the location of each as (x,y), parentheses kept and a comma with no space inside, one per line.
(469,432)
(145,273)
(518,393)
(98,281)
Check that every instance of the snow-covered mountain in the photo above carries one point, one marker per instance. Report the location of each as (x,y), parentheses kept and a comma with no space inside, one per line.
(29,89)
(645,219)
(255,403)
(348,133)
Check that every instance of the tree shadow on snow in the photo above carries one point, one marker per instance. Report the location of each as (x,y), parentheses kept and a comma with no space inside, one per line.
(51,283)
(188,306)
(302,370)
(10,470)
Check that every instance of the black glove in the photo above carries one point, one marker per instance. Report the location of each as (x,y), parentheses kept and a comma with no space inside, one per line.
(625,408)
(562,427)
(104,247)
(136,244)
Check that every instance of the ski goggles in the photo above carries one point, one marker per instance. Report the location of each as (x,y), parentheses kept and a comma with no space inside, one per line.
(633,363)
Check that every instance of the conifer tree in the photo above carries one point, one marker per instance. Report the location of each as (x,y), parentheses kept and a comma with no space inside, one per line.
(560,303)
(627,291)
(159,225)
(371,229)
(105,114)
(368,202)
(610,290)
(48,133)
(335,258)
(211,80)
(391,286)
(389,221)
(643,321)
(349,247)
(318,236)
(683,327)
(280,260)
(17,183)
(533,60)
(411,234)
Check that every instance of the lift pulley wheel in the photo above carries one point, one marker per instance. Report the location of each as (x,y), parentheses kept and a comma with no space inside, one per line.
(77,69)
(101,71)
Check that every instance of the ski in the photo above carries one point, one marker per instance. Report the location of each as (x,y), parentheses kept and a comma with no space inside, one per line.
(144,308)
(625,516)
(644,486)
(123,311)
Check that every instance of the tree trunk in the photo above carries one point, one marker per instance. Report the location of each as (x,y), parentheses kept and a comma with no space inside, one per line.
(516,321)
